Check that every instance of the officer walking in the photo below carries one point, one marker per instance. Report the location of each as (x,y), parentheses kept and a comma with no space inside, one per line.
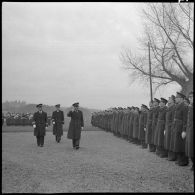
(75,126)
(40,125)
(58,121)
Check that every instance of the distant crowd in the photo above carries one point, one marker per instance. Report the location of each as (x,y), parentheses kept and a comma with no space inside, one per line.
(19,119)
(166,127)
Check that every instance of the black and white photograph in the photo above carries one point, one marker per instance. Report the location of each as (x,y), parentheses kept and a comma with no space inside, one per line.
(97,97)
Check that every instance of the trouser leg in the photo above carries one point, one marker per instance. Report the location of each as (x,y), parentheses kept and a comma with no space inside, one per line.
(41,140)
(73,143)
(38,140)
(77,141)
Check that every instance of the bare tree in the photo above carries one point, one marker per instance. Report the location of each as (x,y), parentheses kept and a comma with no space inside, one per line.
(169,32)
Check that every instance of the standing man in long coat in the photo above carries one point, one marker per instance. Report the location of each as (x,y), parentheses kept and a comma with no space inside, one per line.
(40,125)
(160,128)
(179,128)
(189,149)
(136,125)
(58,121)
(130,125)
(149,127)
(168,140)
(155,112)
(142,125)
(76,125)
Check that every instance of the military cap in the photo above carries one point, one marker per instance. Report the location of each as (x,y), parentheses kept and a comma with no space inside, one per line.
(163,100)
(144,106)
(188,101)
(191,93)
(156,100)
(57,105)
(180,95)
(76,104)
(39,105)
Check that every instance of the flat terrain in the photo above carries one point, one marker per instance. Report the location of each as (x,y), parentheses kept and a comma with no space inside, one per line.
(6,128)
(104,163)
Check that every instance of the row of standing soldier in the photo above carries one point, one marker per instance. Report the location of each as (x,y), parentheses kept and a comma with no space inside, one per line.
(165,130)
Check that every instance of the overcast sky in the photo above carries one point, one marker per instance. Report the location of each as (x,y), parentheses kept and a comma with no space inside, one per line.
(68,52)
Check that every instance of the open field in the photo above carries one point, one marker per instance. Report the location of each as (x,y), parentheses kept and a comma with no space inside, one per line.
(104,163)
(6,128)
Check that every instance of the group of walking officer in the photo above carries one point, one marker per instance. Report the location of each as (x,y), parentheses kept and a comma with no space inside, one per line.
(40,124)
(166,127)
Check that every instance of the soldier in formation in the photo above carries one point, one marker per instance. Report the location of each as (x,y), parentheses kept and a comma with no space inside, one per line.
(166,127)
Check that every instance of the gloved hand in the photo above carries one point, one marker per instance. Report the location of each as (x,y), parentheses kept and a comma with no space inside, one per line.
(183,134)
(53,122)
(164,132)
(34,126)
(81,128)
(144,129)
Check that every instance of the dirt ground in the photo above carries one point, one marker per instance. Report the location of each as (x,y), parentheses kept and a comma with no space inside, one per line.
(104,163)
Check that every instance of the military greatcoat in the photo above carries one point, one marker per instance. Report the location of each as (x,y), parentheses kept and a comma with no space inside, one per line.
(40,120)
(179,125)
(154,121)
(74,131)
(149,127)
(160,127)
(142,125)
(169,127)
(189,150)
(58,118)
(135,125)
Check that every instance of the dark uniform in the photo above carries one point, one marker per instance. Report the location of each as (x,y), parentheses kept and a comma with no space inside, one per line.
(136,127)
(169,132)
(179,125)
(40,120)
(155,112)
(142,126)
(130,127)
(149,129)
(189,148)
(58,121)
(159,133)
(74,131)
